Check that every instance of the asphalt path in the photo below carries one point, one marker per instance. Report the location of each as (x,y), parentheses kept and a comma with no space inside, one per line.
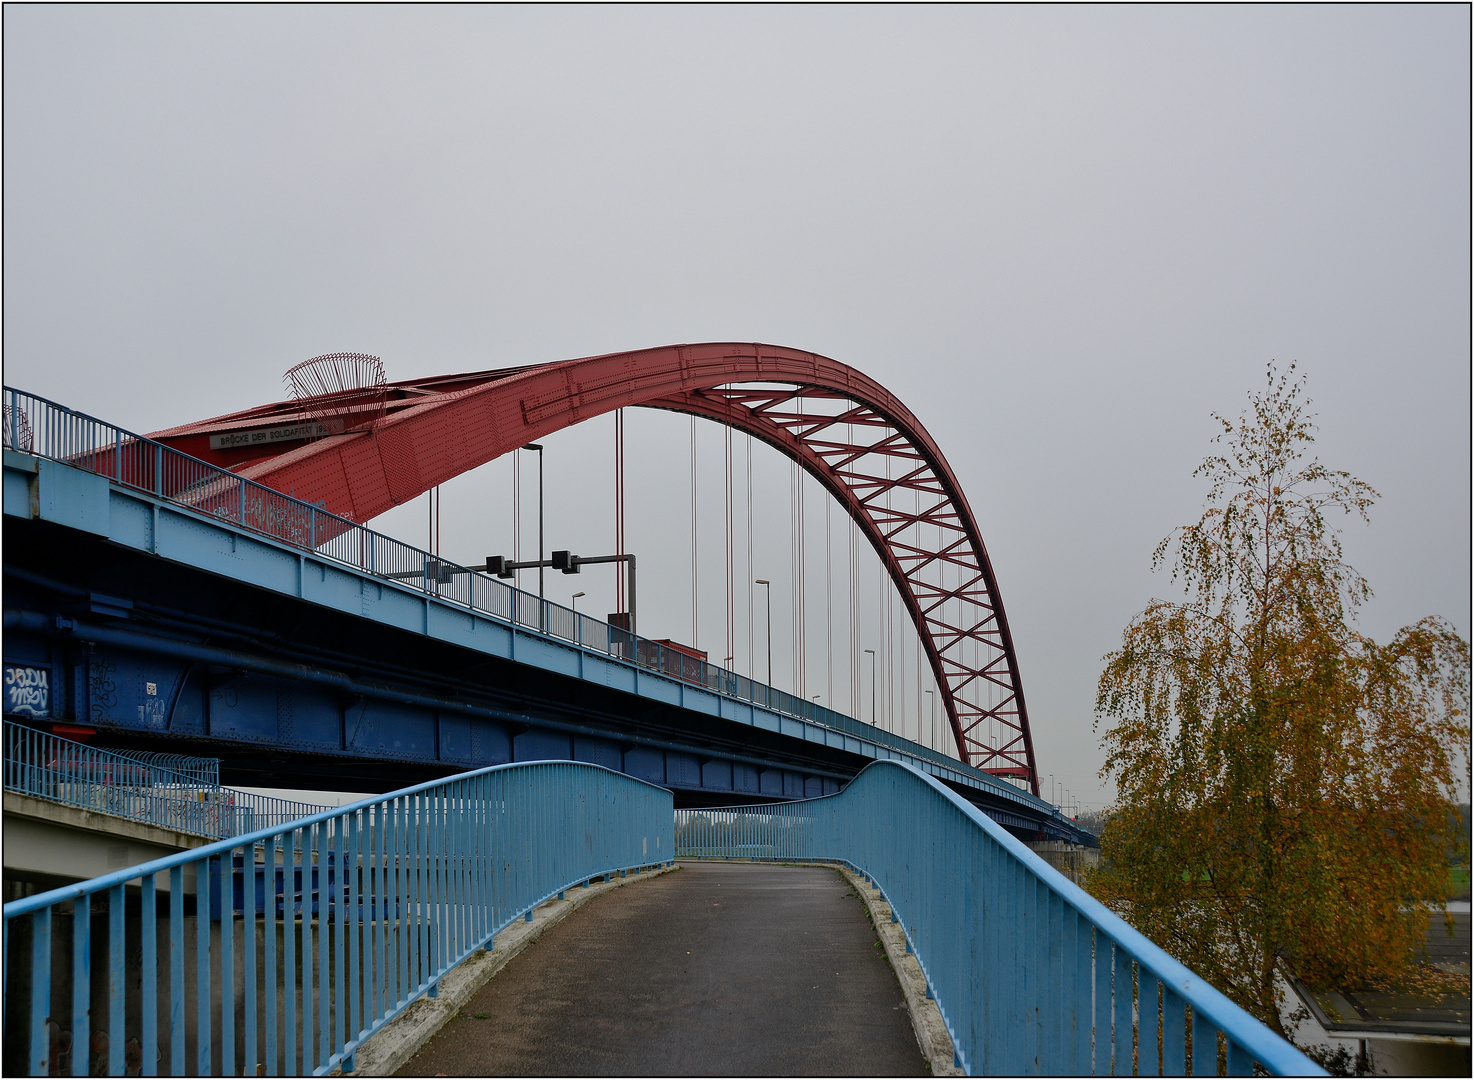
(717,969)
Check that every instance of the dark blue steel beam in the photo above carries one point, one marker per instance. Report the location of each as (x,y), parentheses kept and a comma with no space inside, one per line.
(291,693)
(100,662)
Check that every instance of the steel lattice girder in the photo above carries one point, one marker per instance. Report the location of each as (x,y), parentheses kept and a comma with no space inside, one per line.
(845,429)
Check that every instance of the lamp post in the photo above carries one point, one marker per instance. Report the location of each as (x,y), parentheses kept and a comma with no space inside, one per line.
(768,592)
(874,720)
(933,697)
(575,601)
(540,571)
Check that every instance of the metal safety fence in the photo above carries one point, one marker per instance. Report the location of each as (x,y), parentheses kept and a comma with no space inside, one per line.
(45,429)
(278,953)
(139,787)
(199,770)
(1031,974)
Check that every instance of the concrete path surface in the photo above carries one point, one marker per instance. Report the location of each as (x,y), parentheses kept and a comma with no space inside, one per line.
(717,969)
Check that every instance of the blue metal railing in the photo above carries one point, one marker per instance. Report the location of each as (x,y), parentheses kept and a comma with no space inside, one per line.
(1032,975)
(280,952)
(139,787)
(45,429)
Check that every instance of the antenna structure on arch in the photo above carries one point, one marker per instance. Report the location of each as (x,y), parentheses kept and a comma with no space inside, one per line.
(341,391)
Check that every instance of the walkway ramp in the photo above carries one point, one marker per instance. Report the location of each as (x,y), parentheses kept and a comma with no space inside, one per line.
(283,951)
(726,969)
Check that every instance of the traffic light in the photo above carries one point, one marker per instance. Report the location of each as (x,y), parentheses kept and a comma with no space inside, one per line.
(566,561)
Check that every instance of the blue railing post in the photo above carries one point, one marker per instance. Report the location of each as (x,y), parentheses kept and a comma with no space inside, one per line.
(203,1041)
(148,943)
(176,969)
(40,1058)
(248,959)
(269,892)
(225,879)
(117,1037)
(81,980)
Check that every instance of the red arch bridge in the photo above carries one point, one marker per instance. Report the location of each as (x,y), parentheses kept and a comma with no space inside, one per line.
(212,587)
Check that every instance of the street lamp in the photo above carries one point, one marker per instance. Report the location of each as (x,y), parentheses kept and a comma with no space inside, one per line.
(575,601)
(933,697)
(874,720)
(768,592)
(539,449)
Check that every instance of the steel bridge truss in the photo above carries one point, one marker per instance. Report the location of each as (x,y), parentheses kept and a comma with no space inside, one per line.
(856,438)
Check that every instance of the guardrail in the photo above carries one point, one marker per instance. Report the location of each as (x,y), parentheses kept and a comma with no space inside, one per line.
(130,786)
(1031,974)
(369,906)
(43,428)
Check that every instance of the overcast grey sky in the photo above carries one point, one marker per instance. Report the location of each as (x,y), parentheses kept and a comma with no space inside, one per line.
(1064,236)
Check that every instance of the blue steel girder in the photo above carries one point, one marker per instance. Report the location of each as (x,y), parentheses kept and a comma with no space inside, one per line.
(235,633)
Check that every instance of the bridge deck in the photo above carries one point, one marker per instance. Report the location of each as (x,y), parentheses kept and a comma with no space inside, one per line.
(717,969)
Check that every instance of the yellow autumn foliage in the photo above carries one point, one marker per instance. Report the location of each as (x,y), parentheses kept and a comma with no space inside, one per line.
(1286,785)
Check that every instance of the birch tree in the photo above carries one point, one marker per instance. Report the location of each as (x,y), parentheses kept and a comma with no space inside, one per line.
(1286,785)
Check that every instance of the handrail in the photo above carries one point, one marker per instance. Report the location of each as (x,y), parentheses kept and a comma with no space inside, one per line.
(46,429)
(1031,973)
(131,786)
(310,936)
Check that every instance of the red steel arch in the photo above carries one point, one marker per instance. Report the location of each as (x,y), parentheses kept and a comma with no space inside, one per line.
(845,429)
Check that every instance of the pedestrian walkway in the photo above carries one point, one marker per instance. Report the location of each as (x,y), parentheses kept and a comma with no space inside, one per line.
(730,969)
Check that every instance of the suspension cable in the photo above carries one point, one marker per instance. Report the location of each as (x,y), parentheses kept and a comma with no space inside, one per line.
(619,582)
(828,608)
(891,654)
(517,511)
(730,540)
(695,580)
(803,592)
(794,583)
(854,603)
(917,532)
(750,581)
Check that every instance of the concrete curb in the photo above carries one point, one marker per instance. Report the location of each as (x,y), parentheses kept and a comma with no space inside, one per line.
(926,1018)
(389,1048)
